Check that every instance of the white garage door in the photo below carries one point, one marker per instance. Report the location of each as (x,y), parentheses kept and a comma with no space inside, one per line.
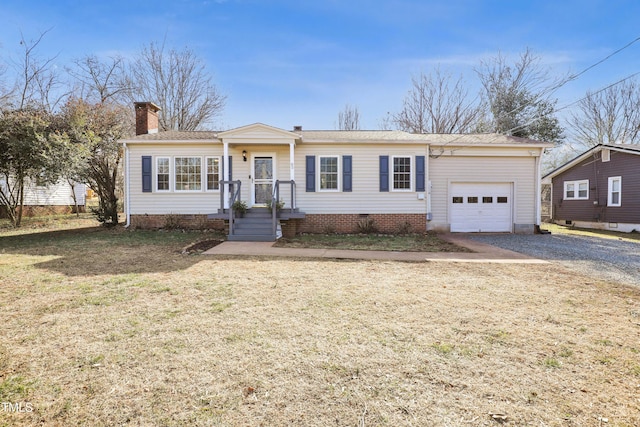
(481,207)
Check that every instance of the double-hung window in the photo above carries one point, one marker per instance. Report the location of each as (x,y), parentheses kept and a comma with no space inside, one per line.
(328,173)
(188,172)
(614,193)
(163,173)
(401,178)
(213,173)
(576,190)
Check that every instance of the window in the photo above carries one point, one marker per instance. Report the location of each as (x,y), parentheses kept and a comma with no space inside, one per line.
(213,173)
(401,173)
(487,199)
(328,173)
(503,199)
(162,174)
(614,197)
(576,190)
(472,199)
(458,199)
(188,172)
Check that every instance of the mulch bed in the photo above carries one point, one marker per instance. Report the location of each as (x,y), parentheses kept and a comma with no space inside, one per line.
(200,247)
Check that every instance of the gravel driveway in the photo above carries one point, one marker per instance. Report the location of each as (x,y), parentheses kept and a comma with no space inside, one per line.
(609,259)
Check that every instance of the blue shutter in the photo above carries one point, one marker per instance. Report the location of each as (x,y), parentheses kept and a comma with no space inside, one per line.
(420,173)
(311,173)
(230,168)
(346,173)
(384,173)
(146,174)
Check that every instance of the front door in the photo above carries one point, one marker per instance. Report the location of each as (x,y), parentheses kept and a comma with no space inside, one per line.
(263,179)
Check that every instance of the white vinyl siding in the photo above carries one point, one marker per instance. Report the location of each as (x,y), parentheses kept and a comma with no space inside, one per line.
(365,197)
(58,194)
(614,192)
(499,168)
(576,190)
(171,202)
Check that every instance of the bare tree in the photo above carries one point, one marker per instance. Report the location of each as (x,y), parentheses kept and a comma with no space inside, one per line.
(102,81)
(38,84)
(609,116)
(349,118)
(518,98)
(178,83)
(437,104)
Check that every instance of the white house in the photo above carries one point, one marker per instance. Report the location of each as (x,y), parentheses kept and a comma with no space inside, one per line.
(51,198)
(333,180)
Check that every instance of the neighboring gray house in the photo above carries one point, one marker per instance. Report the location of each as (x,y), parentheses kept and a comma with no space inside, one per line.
(598,189)
(333,180)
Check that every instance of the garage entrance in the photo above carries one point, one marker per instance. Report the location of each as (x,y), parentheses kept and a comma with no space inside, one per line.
(481,207)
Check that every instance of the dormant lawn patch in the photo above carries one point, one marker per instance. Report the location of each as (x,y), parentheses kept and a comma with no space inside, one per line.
(105,327)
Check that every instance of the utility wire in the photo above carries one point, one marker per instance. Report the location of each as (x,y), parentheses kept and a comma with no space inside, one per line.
(572,78)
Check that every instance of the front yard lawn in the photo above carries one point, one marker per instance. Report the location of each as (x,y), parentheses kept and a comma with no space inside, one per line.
(111,327)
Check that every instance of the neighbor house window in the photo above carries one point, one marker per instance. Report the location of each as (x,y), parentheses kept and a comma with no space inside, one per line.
(401,173)
(162,173)
(188,171)
(213,173)
(614,197)
(328,173)
(576,190)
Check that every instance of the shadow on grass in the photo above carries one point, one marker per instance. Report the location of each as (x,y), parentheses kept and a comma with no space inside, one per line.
(99,250)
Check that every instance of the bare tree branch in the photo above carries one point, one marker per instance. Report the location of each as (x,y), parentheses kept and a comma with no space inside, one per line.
(179,84)
(437,104)
(349,118)
(610,116)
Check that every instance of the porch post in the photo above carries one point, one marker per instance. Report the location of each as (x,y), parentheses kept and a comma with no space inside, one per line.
(292,173)
(225,169)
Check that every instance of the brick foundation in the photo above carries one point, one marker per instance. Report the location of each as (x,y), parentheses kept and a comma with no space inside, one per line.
(191,222)
(355,223)
(312,223)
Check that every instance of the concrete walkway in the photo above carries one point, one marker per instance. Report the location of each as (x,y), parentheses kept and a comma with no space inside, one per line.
(481,252)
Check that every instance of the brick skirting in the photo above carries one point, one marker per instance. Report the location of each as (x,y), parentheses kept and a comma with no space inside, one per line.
(312,223)
(355,223)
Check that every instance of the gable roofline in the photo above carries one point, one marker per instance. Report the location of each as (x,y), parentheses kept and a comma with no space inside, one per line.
(243,130)
(622,148)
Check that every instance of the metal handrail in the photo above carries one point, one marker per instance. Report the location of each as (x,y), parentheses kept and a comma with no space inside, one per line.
(233,196)
(275,198)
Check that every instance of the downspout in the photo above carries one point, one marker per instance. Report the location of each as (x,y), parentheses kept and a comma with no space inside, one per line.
(126,186)
(428,185)
(538,192)
(225,168)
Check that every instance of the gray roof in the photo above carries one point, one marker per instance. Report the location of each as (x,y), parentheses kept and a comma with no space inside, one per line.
(401,136)
(354,137)
(625,148)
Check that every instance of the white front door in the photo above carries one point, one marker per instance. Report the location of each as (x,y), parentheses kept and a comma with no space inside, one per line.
(263,178)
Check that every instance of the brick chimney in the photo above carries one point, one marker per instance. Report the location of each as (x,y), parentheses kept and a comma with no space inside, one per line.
(146,117)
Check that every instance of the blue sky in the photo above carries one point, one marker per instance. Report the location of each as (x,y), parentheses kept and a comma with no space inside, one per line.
(297,62)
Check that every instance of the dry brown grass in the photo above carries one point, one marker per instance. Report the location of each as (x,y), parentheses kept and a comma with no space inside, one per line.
(126,330)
